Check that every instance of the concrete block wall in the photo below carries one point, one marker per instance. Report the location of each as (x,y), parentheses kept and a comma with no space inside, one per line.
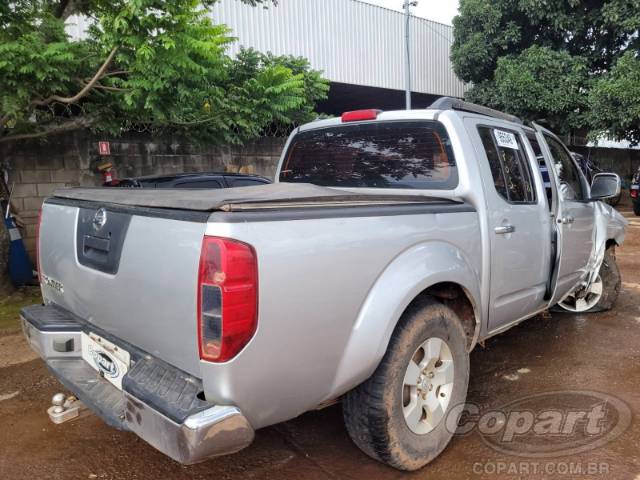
(37,168)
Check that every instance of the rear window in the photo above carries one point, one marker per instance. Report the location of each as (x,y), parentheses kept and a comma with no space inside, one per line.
(415,155)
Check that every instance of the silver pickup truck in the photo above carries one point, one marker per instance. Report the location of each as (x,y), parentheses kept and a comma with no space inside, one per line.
(389,246)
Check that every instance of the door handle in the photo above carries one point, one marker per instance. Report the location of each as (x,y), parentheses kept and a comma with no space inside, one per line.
(504,229)
(566,220)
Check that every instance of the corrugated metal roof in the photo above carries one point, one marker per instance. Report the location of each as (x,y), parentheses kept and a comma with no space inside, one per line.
(351,41)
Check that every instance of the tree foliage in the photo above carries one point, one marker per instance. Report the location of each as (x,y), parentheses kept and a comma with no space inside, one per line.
(156,64)
(544,58)
(615,100)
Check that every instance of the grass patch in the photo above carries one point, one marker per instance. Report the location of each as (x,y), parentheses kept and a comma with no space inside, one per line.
(11,305)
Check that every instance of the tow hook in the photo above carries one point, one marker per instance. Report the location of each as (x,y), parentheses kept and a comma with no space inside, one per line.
(64,408)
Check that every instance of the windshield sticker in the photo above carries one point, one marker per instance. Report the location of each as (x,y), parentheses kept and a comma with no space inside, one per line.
(506,139)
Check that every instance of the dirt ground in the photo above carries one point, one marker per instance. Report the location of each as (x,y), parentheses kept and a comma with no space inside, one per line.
(596,352)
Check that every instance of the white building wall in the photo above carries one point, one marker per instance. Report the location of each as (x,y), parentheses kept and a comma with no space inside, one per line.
(351,41)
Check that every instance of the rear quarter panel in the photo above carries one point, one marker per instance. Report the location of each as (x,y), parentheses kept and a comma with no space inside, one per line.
(323,325)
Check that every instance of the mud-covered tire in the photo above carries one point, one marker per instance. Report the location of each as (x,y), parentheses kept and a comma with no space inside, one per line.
(611,282)
(373,411)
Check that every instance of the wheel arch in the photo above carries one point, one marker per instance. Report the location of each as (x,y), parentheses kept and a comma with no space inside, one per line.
(460,300)
(436,269)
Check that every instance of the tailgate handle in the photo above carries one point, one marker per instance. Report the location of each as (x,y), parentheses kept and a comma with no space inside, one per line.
(96,243)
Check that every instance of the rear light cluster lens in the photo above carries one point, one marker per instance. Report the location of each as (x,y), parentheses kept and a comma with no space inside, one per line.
(227,298)
(634,193)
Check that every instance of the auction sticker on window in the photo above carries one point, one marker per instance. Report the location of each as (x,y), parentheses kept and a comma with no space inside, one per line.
(506,139)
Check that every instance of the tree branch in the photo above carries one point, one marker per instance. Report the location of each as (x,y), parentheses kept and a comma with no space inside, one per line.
(85,89)
(111,89)
(100,86)
(116,72)
(64,9)
(71,125)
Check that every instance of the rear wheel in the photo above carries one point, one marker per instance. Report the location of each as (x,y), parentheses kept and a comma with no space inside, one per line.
(602,293)
(398,416)
(636,207)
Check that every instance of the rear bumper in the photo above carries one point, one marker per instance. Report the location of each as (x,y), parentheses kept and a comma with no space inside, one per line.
(158,402)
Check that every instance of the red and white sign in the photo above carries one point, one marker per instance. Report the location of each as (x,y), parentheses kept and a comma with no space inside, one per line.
(104,148)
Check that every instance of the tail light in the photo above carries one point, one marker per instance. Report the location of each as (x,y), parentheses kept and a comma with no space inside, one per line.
(38,263)
(634,193)
(360,115)
(227,298)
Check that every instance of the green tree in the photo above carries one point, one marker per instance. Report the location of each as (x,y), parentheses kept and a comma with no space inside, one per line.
(614,100)
(541,58)
(144,63)
(152,64)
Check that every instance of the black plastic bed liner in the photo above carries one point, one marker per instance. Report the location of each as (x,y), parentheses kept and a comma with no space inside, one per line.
(166,389)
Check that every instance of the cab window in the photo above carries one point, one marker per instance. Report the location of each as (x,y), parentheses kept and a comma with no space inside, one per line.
(402,154)
(509,166)
(542,165)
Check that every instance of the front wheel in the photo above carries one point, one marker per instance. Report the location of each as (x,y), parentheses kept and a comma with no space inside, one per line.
(601,294)
(398,416)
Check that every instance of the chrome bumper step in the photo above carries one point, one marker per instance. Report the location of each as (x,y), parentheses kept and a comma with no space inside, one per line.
(160,403)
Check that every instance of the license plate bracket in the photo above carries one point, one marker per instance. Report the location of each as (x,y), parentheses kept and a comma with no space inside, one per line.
(110,361)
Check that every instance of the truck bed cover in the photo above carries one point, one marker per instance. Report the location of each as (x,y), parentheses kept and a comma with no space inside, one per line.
(278,195)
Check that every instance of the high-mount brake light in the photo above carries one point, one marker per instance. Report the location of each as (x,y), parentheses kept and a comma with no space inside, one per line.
(360,115)
(227,298)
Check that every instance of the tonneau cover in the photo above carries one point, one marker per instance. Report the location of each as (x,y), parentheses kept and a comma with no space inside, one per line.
(240,198)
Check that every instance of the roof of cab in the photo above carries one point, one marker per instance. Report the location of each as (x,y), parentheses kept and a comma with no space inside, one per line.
(442,104)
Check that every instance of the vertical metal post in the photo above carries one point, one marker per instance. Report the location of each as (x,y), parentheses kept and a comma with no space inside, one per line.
(407,13)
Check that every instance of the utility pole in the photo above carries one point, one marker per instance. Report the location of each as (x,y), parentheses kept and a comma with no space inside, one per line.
(407,14)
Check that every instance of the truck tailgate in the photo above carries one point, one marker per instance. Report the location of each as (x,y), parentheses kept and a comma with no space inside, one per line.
(130,271)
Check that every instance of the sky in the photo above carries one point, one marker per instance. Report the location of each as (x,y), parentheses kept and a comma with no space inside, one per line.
(441,11)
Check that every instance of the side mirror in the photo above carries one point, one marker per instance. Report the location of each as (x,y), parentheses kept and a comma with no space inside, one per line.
(605,185)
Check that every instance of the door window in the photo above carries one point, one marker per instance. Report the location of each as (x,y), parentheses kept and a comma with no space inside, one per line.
(542,165)
(566,170)
(509,166)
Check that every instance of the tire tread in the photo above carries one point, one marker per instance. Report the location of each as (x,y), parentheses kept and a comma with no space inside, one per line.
(363,408)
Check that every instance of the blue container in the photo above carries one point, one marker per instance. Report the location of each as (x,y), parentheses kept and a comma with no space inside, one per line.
(20,268)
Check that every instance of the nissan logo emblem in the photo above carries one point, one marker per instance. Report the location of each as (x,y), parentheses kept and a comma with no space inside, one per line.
(99,219)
